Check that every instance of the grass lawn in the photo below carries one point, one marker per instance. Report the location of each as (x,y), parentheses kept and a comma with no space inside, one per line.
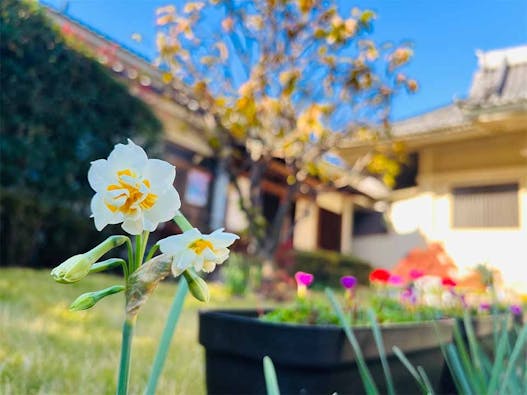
(47,349)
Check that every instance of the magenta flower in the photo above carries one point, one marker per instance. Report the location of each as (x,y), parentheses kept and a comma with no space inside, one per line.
(484,306)
(395,280)
(348,282)
(415,274)
(304,279)
(516,309)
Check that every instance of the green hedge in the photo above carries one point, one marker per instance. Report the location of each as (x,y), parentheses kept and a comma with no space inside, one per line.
(59,110)
(329,266)
(42,235)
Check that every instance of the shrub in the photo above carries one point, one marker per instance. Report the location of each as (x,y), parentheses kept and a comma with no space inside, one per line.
(58,108)
(42,234)
(329,266)
(241,273)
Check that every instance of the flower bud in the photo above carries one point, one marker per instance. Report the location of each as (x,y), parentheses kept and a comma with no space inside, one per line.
(72,270)
(89,299)
(84,301)
(197,286)
(78,266)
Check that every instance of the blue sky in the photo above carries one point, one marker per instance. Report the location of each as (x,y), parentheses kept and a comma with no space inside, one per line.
(445,35)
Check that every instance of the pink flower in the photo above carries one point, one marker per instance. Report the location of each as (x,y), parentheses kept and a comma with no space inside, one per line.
(348,282)
(416,273)
(484,306)
(304,279)
(395,280)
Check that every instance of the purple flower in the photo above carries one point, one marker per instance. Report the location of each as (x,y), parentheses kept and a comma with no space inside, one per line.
(463,299)
(348,282)
(515,309)
(484,306)
(409,296)
(304,279)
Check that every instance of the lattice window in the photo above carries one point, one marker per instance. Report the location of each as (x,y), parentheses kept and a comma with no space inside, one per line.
(487,206)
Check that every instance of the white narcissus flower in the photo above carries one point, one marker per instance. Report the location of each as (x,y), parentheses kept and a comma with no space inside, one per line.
(204,252)
(132,189)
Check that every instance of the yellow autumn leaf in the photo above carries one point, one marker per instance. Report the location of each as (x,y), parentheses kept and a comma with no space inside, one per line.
(227,24)
(222,48)
(193,7)
(165,19)
(165,9)
(166,78)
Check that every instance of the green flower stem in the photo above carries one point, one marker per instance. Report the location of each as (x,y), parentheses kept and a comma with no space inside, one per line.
(152,251)
(127,268)
(110,243)
(166,337)
(143,248)
(182,222)
(135,260)
(138,244)
(108,264)
(126,348)
(172,320)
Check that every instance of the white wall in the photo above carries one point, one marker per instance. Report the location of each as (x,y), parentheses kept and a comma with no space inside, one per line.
(427,217)
(235,219)
(385,250)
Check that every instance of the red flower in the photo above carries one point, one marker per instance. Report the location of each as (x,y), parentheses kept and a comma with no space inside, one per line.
(380,275)
(448,282)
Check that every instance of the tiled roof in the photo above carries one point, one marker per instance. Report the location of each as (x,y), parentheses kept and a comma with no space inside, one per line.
(500,80)
(499,86)
(447,117)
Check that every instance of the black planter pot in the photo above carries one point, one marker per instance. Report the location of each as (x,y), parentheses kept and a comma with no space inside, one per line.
(312,359)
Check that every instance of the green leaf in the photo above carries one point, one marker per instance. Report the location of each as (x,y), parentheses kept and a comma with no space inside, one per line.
(166,337)
(413,371)
(457,370)
(477,380)
(382,353)
(515,354)
(426,380)
(367,380)
(271,382)
(499,361)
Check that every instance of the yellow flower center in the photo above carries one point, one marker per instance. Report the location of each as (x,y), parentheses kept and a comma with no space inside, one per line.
(199,245)
(134,193)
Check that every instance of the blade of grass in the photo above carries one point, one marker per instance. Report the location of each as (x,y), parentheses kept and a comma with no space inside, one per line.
(382,353)
(516,352)
(447,359)
(477,380)
(499,360)
(271,382)
(457,369)
(166,337)
(397,351)
(367,380)
(426,380)
(475,351)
